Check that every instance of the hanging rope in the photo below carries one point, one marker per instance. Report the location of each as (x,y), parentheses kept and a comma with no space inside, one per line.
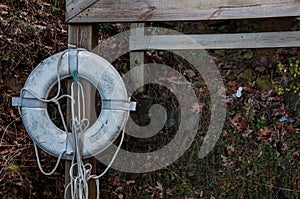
(79,183)
(55,99)
(109,165)
(79,178)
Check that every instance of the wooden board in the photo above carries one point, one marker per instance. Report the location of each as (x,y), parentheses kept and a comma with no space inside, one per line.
(179,10)
(216,41)
(74,7)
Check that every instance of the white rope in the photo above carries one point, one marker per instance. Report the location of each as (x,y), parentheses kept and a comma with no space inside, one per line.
(109,165)
(55,99)
(113,158)
(79,182)
(39,163)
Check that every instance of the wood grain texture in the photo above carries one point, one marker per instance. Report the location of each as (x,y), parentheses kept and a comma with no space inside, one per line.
(217,41)
(83,36)
(74,7)
(188,10)
(137,57)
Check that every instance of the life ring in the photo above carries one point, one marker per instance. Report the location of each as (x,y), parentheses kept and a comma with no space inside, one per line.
(107,81)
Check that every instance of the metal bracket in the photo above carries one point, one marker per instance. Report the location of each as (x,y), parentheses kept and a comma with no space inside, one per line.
(118,105)
(72,59)
(28,102)
(132,106)
(70,144)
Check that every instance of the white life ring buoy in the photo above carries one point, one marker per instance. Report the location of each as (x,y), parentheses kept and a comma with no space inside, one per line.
(110,86)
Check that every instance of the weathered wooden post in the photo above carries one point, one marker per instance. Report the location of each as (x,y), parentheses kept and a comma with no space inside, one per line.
(137,58)
(85,36)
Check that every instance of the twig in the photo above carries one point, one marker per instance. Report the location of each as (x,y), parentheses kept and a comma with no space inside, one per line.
(272,186)
(295,107)
(8,127)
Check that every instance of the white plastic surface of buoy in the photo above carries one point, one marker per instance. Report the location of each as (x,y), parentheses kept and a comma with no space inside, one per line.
(97,71)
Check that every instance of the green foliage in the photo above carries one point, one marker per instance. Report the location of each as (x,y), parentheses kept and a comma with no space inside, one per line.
(4,56)
(291,77)
(53,9)
(264,83)
(261,122)
(13,167)
(55,4)
(108,29)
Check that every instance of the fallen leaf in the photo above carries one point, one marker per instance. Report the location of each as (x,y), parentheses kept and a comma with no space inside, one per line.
(128,182)
(169,191)
(239,122)
(15,190)
(4,7)
(224,134)
(264,59)
(189,73)
(197,108)
(264,134)
(159,186)
(18,31)
(175,80)
(230,149)
(113,180)
(291,129)
(295,154)
(232,84)
(224,159)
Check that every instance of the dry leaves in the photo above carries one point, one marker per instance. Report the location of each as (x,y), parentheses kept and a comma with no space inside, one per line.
(189,73)
(230,149)
(197,108)
(264,134)
(239,122)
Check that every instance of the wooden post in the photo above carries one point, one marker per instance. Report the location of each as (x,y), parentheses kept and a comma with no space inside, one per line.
(85,36)
(137,58)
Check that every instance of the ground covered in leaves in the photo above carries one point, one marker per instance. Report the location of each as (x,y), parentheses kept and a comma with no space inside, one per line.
(257,155)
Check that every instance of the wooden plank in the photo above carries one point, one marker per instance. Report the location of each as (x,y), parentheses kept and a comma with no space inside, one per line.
(85,36)
(178,10)
(74,7)
(217,41)
(137,58)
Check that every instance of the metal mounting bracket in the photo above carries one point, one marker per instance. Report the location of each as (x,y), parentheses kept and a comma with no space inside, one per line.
(72,59)
(118,105)
(28,102)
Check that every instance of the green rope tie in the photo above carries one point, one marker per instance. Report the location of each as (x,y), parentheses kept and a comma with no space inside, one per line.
(74,75)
